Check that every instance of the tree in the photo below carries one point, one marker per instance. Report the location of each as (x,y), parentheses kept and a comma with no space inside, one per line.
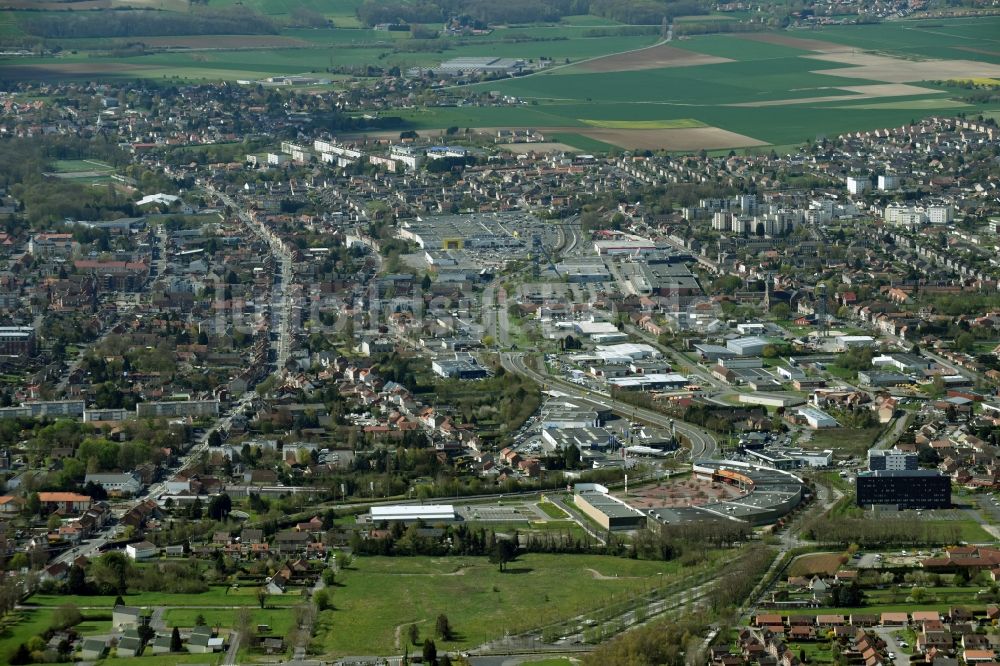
(219,507)
(443,628)
(19,561)
(503,551)
(430,652)
(572,456)
(175,640)
(425,284)
(413,633)
(199,620)
(67,615)
(965,342)
(195,511)
(215,439)
(262,596)
(76,580)
(322,600)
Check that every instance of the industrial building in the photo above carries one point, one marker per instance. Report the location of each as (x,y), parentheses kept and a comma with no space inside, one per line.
(816,418)
(462,366)
(750,346)
(411,513)
(470,65)
(904,489)
(607,511)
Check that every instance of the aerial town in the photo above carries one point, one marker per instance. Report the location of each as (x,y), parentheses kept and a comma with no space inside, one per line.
(282,383)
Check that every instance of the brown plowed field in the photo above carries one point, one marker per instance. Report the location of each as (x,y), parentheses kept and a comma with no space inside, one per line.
(655,57)
(796,42)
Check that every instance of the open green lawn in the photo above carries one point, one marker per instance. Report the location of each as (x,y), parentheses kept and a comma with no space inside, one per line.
(969,530)
(215,596)
(19,626)
(280,620)
(380,594)
(163,660)
(75,166)
(843,441)
(552,511)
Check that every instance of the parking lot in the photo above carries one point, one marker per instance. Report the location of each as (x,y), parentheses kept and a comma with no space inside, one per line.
(499,513)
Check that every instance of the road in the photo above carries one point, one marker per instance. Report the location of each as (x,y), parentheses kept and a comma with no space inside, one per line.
(234,648)
(703,443)
(281,320)
(679,361)
(495,316)
(891,436)
(892,646)
(281,306)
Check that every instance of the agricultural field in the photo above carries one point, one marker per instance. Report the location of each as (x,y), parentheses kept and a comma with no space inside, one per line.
(770,88)
(378,597)
(604,90)
(816,563)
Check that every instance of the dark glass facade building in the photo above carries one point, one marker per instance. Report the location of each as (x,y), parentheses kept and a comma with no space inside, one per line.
(905,489)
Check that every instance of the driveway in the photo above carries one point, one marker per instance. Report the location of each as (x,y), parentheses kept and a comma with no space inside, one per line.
(902,659)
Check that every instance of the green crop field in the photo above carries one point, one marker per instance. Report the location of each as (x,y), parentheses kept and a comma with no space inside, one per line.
(939,38)
(769,90)
(582,142)
(678,123)
(378,595)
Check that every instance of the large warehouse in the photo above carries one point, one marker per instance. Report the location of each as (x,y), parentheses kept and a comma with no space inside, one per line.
(608,512)
(411,513)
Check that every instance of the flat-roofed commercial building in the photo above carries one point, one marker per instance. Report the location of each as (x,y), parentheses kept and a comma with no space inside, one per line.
(607,511)
(407,513)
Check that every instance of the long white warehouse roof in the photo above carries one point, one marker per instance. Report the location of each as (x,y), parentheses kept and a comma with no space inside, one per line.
(414,512)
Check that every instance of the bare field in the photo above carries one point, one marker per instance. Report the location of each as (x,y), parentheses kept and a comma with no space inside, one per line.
(540,147)
(874,91)
(897,70)
(816,563)
(709,138)
(655,57)
(971,49)
(795,42)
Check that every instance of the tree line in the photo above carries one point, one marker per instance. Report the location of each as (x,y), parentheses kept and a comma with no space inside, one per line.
(885,531)
(143,23)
